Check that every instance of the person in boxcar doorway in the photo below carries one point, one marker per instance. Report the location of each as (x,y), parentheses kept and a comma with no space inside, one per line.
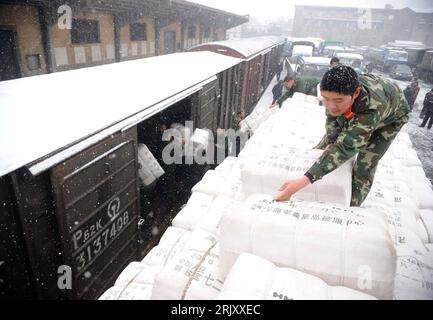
(277,91)
(306,85)
(166,184)
(240,135)
(236,119)
(221,146)
(428,110)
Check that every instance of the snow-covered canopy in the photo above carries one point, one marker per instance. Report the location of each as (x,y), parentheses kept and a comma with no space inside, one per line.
(248,47)
(42,115)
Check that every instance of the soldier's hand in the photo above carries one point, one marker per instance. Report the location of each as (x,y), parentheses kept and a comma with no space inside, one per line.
(273,105)
(290,187)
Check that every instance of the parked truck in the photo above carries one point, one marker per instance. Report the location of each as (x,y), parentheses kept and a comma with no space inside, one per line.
(424,70)
(384,58)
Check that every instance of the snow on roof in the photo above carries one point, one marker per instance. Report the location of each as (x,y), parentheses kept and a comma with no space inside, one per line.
(248,46)
(317,60)
(334,48)
(348,55)
(40,115)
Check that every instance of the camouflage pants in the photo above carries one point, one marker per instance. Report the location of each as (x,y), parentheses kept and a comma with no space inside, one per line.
(368,158)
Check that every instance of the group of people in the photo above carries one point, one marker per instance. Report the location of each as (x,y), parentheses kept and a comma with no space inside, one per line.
(364,114)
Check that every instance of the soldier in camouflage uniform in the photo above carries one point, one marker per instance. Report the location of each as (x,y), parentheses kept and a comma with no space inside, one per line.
(364,116)
(306,85)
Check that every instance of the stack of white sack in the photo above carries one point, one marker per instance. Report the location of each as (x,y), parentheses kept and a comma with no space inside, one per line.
(407,156)
(222,183)
(192,273)
(427,225)
(278,143)
(398,217)
(196,207)
(227,165)
(201,139)
(390,170)
(337,244)
(134,283)
(414,273)
(255,278)
(382,193)
(267,173)
(149,168)
(256,118)
(203,212)
(403,139)
(172,242)
(298,96)
(420,186)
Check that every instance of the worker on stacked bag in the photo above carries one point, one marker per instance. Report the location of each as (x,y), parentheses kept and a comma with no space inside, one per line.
(306,85)
(364,115)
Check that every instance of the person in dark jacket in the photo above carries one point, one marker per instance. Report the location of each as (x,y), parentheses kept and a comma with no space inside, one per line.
(411,93)
(428,110)
(279,70)
(277,91)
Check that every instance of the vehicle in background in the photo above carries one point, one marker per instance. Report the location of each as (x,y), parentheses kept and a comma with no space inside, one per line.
(355,60)
(384,58)
(415,56)
(312,66)
(401,72)
(331,51)
(360,49)
(329,43)
(302,51)
(424,70)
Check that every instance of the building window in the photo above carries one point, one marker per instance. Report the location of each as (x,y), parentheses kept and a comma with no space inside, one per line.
(137,32)
(207,32)
(191,32)
(85,31)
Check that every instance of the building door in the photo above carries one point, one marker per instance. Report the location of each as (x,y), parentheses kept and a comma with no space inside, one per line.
(169,42)
(9,68)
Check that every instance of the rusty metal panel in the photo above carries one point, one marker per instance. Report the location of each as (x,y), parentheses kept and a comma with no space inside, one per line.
(35,209)
(15,271)
(97,208)
(209,106)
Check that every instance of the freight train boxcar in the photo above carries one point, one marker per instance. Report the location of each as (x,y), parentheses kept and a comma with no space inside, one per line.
(69,192)
(261,56)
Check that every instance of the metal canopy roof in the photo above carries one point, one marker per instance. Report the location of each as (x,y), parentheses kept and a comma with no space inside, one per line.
(40,116)
(247,47)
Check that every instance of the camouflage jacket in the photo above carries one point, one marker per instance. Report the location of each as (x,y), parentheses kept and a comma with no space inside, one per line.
(307,85)
(380,104)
